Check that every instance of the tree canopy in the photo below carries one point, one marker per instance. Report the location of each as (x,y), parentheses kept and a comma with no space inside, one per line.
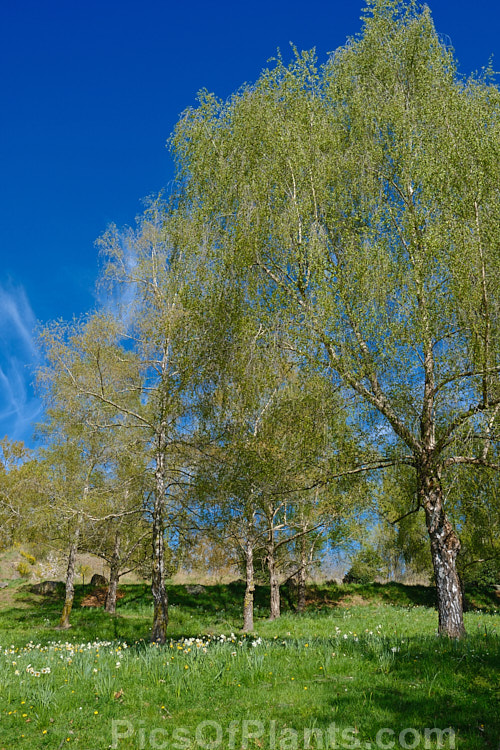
(315,302)
(359,200)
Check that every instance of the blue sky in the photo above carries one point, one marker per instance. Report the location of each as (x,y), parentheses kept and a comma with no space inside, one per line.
(90,92)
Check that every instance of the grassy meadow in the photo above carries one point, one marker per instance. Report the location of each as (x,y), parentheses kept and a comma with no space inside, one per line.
(363,667)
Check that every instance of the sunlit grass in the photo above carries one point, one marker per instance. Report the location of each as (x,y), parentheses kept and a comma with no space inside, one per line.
(361,668)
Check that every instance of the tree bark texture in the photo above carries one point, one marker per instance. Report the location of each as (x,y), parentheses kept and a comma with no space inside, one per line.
(158,588)
(114,575)
(64,622)
(301,582)
(250,588)
(275,586)
(445,546)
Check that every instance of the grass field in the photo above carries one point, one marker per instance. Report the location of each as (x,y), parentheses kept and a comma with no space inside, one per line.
(363,667)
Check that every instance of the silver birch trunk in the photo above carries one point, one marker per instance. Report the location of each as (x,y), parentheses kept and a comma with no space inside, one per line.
(301,583)
(69,596)
(250,588)
(158,588)
(275,585)
(445,546)
(114,575)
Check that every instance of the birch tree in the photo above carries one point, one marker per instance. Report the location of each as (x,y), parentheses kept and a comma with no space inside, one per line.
(77,457)
(359,202)
(282,431)
(134,361)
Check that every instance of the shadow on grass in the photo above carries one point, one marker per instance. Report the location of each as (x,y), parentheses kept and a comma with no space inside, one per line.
(420,683)
(439,683)
(219,598)
(471,717)
(193,610)
(37,616)
(393,593)
(485,599)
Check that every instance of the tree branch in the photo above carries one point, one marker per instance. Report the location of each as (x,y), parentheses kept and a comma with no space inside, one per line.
(471,461)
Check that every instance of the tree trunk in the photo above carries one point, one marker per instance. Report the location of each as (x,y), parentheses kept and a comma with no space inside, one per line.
(301,585)
(250,588)
(158,589)
(275,586)
(445,546)
(114,575)
(64,622)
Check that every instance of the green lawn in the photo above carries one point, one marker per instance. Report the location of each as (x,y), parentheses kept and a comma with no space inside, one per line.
(355,671)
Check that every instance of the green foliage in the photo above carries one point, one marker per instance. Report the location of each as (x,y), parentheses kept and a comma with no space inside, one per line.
(485,574)
(318,177)
(357,206)
(366,565)
(477,509)
(318,301)
(23,500)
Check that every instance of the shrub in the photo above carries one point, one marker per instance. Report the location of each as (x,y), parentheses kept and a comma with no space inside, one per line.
(482,574)
(23,568)
(365,567)
(29,558)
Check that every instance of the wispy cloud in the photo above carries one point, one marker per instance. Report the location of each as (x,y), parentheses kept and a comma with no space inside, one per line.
(19,356)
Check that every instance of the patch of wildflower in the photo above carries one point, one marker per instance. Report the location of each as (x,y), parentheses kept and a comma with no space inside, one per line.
(64,649)
(37,660)
(206,642)
(36,672)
